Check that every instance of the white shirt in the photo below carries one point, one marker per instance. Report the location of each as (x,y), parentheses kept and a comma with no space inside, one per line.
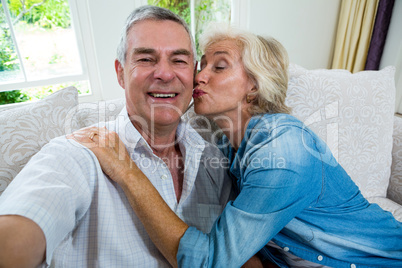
(86,218)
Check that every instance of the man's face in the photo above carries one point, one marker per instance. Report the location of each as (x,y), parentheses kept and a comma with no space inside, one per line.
(158,73)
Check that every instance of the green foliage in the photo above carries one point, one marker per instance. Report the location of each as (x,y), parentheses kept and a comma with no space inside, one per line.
(49,14)
(56,58)
(12,97)
(8,58)
(8,61)
(205,12)
(38,93)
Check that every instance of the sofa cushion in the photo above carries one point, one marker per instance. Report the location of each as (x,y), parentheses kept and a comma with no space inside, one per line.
(353,113)
(90,113)
(395,183)
(24,130)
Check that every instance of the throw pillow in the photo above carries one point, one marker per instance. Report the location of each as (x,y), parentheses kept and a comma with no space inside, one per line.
(24,130)
(87,114)
(354,114)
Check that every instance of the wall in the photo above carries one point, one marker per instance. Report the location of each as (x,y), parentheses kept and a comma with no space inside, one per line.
(306,28)
(107,19)
(392,54)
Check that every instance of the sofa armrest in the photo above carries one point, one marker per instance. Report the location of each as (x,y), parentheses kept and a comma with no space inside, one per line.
(388,205)
(395,185)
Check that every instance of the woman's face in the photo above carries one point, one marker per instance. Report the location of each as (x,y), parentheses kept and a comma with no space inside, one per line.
(222,84)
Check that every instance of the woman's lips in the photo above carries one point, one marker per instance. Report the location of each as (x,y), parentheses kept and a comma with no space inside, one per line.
(198,93)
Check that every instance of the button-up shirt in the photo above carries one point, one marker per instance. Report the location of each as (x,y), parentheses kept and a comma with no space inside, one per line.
(86,218)
(293,191)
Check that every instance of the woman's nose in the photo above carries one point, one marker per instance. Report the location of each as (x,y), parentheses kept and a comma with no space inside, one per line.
(201,77)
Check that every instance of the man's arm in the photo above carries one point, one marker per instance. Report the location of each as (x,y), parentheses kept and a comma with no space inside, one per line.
(22,241)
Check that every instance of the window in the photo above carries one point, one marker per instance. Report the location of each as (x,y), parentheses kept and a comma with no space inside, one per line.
(198,13)
(39,52)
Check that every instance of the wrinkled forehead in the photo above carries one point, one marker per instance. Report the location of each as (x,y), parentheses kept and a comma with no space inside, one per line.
(159,34)
(230,47)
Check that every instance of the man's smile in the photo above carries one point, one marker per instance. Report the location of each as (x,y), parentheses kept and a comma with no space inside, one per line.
(163,95)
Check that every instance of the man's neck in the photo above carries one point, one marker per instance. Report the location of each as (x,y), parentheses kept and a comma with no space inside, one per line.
(162,140)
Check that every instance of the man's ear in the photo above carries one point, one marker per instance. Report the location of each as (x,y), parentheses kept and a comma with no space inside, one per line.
(120,73)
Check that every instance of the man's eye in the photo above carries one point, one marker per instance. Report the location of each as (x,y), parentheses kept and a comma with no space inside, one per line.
(144,59)
(180,61)
(219,67)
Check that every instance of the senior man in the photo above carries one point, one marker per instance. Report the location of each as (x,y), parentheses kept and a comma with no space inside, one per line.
(63,211)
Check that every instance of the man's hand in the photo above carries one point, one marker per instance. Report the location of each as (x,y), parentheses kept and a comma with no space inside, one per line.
(22,241)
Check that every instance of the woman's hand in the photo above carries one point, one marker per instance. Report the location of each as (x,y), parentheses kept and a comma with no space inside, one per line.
(109,149)
(160,222)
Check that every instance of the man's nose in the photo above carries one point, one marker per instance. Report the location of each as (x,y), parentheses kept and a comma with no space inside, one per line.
(164,71)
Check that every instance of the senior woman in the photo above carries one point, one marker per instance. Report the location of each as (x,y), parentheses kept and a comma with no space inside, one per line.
(291,190)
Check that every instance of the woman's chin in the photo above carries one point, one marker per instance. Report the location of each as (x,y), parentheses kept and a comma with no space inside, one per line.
(201,110)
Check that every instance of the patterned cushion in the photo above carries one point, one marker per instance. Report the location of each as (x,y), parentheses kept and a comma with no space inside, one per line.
(353,113)
(86,114)
(395,183)
(24,130)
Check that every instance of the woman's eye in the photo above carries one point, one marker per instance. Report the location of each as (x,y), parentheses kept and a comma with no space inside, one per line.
(220,67)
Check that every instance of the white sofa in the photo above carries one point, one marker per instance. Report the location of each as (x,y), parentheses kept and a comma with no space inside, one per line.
(353,113)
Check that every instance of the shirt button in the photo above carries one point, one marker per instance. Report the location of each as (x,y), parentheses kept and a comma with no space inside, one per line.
(164,177)
(320,258)
(353,265)
(142,155)
(286,249)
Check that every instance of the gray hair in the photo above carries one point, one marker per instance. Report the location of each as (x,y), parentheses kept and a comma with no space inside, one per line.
(149,13)
(265,61)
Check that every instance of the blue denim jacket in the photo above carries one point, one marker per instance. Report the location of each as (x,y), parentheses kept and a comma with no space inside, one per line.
(292,190)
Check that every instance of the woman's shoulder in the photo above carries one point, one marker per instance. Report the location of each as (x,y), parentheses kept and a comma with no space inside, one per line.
(271,122)
(267,128)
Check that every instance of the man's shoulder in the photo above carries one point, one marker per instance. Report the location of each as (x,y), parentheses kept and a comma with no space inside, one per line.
(64,149)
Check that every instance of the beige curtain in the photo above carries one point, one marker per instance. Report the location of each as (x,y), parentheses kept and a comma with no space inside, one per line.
(356,21)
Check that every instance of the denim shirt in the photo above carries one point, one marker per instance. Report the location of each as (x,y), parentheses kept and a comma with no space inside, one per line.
(291,190)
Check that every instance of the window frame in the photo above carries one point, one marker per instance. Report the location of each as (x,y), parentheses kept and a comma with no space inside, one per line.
(80,20)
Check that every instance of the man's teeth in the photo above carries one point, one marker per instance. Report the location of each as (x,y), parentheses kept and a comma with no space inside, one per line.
(163,95)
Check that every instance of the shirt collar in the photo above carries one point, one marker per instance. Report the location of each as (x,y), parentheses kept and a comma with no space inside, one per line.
(186,136)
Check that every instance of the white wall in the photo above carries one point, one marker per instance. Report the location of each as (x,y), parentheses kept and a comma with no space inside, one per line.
(107,19)
(392,54)
(306,28)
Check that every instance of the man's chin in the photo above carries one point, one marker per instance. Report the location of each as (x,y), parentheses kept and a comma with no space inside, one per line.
(166,118)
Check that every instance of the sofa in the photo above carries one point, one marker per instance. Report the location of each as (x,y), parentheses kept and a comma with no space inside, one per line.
(353,113)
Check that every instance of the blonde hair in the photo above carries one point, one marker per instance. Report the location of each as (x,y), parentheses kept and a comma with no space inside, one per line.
(265,61)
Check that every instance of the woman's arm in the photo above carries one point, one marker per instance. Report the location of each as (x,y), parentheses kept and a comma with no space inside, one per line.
(163,226)
(161,223)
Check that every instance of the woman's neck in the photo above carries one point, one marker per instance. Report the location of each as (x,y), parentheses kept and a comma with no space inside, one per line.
(235,128)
